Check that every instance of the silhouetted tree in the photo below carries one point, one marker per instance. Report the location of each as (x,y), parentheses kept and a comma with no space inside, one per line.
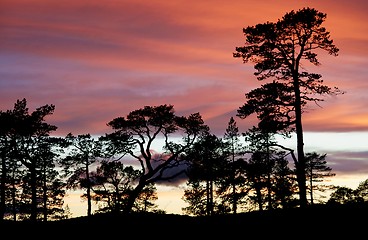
(362,190)
(267,169)
(112,184)
(30,185)
(51,188)
(278,51)
(317,171)
(27,134)
(83,152)
(347,195)
(261,162)
(284,187)
(257,170)
(234,149)
(141,128)
(196,198)
(344,195)
(8,166)
(207,164)
(145,200)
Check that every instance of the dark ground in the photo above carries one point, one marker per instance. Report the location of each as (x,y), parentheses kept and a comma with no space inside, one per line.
(317,222)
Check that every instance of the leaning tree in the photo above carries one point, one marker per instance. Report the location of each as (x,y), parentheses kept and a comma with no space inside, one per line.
(280,51)
(138,132)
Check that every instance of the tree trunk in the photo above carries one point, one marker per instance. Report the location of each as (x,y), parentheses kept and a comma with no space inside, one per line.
(133,196)
(3,179)
(34,191)
(233,175)
(300,166)
(89,200)
(259,197)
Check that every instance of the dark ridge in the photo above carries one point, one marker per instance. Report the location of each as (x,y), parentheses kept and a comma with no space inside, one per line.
(314,222)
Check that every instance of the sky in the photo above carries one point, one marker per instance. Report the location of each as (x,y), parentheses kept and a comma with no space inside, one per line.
(98,60)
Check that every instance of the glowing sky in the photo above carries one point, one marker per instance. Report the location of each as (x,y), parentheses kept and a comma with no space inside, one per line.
(97,60)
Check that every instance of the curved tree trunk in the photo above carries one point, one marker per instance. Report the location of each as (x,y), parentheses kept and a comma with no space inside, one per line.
(133,196)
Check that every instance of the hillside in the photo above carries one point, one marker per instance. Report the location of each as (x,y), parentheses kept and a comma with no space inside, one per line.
(314,222)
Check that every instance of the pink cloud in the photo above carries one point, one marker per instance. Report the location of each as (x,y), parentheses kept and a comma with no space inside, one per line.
(104,59)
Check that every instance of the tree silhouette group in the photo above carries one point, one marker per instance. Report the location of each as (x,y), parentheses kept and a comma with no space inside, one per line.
(236,172)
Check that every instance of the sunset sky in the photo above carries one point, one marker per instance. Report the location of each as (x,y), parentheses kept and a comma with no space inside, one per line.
(98,60)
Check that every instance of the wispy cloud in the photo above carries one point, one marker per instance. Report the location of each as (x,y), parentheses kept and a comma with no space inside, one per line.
(96,60)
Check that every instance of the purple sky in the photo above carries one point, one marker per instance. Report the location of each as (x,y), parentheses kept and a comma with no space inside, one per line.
(97,60)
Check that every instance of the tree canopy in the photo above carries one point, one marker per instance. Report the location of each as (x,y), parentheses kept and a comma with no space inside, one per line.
(279,51)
